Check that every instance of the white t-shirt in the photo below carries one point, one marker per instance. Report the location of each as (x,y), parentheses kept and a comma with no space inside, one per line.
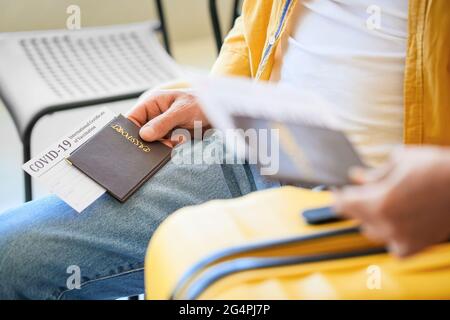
(352,53)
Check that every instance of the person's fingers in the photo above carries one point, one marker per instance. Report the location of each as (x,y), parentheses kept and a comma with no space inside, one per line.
(404,246)
(151,107)
(357,202)
(360,175)
(172,141)
(168,143)
(373,232)
(347,202)
(158,127)
(399,249)
(177,138)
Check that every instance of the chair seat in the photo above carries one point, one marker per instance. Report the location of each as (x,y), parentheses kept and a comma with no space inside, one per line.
(52,70)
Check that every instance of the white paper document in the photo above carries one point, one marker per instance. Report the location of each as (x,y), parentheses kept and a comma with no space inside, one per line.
(221,98)
(52,170)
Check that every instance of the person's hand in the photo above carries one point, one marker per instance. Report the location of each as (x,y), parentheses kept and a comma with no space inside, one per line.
(406,204)
(162,111)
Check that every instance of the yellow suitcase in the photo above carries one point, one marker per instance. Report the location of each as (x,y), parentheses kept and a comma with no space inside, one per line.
(258,247)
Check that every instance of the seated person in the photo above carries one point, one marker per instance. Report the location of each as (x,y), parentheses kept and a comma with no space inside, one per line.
(382,79)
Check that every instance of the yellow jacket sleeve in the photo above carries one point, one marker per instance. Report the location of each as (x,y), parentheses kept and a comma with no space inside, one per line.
(233,59)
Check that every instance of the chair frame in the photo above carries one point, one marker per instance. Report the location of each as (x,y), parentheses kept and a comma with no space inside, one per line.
(215,21)
(26,136)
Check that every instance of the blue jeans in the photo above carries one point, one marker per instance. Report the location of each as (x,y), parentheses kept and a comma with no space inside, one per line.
(41,239)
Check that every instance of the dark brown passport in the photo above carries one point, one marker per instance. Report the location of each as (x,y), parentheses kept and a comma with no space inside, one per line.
(118,159)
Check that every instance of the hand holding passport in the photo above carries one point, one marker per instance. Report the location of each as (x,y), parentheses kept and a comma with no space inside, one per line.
(107,153)
(118,159)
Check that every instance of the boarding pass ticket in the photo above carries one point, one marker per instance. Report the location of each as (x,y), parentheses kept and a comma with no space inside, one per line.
(58,176)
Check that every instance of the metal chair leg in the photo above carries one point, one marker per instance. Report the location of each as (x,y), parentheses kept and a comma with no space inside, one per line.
(235,12)
(27,177)
(162,21)
(216,24)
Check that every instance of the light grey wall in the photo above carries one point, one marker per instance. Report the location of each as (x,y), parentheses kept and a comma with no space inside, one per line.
(186,18)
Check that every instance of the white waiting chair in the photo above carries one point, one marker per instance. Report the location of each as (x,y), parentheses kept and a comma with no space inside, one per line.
(43,72)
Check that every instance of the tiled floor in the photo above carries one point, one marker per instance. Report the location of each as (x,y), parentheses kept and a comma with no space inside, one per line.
(199,53)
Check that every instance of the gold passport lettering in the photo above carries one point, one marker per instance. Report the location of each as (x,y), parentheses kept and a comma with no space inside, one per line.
(130,138)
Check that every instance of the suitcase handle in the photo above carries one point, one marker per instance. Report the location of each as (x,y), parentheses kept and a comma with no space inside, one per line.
(190,288)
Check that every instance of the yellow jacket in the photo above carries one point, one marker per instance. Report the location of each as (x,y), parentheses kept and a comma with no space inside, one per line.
(250,46)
